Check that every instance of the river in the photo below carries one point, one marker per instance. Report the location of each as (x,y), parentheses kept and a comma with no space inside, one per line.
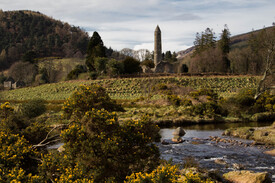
(197,144)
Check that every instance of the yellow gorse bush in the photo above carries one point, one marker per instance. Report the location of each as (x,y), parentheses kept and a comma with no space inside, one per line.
(167,173)
(193,177)
(73,175)
(5,109)
(87,97)
(14,153)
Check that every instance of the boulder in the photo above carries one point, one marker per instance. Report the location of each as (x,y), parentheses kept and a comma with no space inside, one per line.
(164,142)
(237,166)
(271,152)
(177,139)
(179,132)
(220,161)
(245,176)
(61,148)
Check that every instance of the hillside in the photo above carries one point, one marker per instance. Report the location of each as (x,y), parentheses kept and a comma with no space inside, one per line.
(237,41)
(25,31)
(243,54)
(134,88)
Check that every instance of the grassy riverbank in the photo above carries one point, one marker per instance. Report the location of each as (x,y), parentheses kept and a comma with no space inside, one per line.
(167,101)
(264,135)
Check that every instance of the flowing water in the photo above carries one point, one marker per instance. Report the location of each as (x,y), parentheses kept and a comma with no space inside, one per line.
(198,144)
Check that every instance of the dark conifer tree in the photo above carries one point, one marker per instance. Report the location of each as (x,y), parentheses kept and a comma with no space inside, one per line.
(224,45)
(204,41)
(95,49)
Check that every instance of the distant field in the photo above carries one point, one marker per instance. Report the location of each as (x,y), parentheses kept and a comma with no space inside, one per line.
(133,88)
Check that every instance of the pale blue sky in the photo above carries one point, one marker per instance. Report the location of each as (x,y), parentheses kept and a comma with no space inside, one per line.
(131,23)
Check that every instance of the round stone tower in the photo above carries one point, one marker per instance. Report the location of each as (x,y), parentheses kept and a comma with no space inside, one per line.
(157,49)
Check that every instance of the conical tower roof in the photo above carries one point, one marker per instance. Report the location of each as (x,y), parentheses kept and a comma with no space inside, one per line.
(157,29)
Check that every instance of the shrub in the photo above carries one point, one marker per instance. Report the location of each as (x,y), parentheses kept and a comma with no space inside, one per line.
(168,173)
(131,65)
(104,150)
(194,177)
(209,109)
(160,86)
(174,100)
(186,102)
(76,71)
(114,68)
(87,97)
(93,75)
(245,101)
(16,159)
(245,98)
(14,123)
(148,63)
(207,92)
(263,117)
(5,110)
(265,103)
(35,132)
(164,173)
(33,108)
(55,166)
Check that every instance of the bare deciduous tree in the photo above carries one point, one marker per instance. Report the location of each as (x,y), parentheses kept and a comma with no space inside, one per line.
(264,44)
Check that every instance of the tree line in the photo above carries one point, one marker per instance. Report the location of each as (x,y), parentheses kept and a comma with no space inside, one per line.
(245,56)
(25,33)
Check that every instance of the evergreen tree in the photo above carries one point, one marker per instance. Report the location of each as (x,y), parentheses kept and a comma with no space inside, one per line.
(224,45)
(168,55)
(204,40)
(174,57)
(95,49)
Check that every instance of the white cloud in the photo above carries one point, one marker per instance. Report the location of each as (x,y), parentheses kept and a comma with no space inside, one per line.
(131,23)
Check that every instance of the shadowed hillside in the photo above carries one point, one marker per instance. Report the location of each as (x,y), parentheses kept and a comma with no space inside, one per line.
(25,34)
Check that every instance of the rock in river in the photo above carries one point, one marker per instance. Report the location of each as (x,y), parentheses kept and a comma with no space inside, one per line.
(245,176)
(271,152)
(179,132)
(220,161)
(177,139)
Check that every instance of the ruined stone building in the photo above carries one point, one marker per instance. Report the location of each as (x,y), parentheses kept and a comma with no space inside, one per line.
(11,84)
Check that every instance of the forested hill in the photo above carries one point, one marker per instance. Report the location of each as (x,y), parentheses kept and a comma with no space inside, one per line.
(24,32)
(236,42)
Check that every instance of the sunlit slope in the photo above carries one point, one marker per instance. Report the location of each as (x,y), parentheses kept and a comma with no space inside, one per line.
(133,88)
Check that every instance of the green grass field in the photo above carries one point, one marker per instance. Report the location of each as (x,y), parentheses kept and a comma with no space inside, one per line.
(133,88)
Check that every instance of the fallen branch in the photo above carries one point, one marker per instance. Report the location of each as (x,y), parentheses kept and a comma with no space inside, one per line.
(44,143)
